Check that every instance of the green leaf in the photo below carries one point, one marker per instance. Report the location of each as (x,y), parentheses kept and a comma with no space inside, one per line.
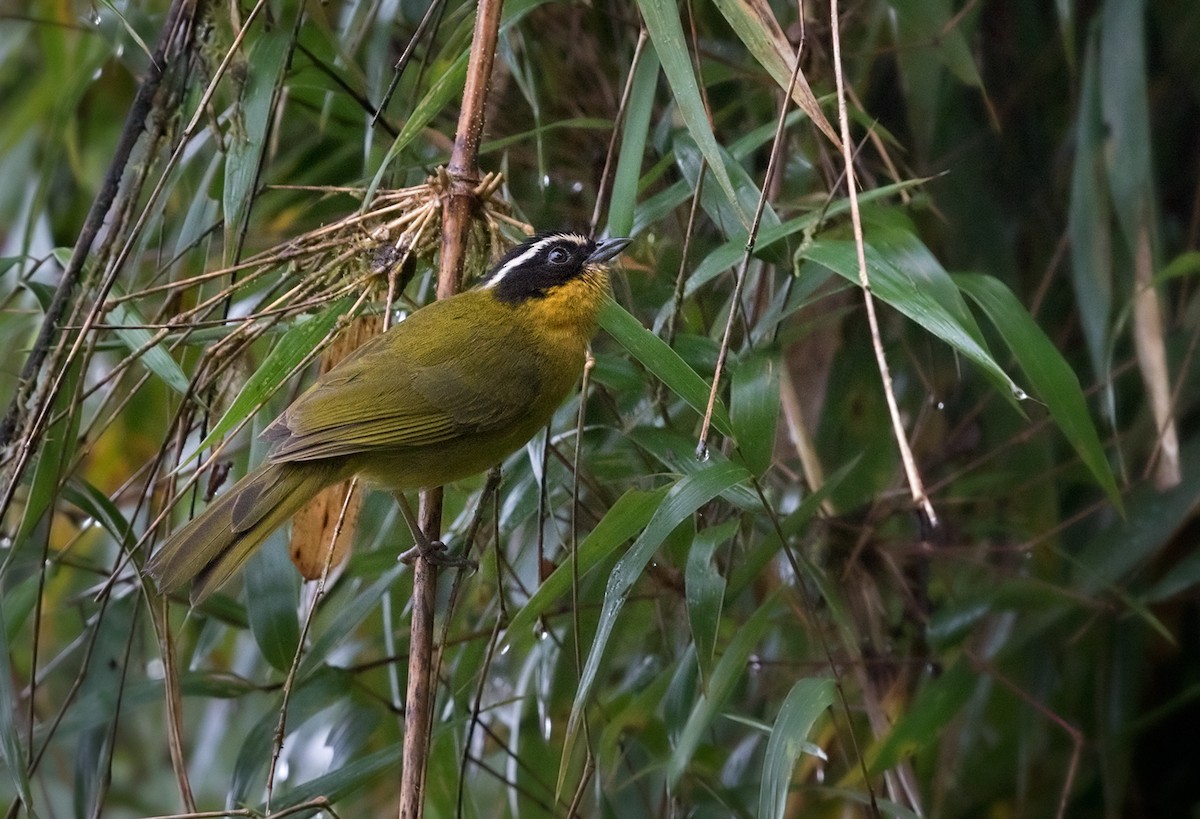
(297,344)
(272,597)
(666,31)
(137,339)
(755,25)
(98,507)
(922,724)
(53,463)
(807,700)
(1089,220)
(704,589)
(729,671)
(10,739)
(341,782)
(627,517)
(727,255)
(247,147)
(903,291)
(446,88)
(726,218)
(1050,377)
(1126,112)
(754,397)
(684,498)
(633,144)
(273,592)
(666,365)
(1151,522)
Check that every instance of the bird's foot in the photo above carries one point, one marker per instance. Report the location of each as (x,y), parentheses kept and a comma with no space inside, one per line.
(435,552)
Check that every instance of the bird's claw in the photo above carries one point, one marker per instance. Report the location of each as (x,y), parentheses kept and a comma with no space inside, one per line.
(435,552)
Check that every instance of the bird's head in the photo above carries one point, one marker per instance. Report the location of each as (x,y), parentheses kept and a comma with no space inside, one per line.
(554,265)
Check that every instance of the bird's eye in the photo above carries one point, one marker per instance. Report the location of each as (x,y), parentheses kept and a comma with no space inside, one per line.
(558,256)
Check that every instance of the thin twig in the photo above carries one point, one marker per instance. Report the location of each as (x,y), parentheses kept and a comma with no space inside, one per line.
(915,483)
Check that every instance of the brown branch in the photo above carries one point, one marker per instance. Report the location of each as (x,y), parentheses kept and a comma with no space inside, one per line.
(460,202)
(459,206)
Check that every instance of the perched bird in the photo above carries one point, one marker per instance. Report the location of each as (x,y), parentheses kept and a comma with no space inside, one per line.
(450,391)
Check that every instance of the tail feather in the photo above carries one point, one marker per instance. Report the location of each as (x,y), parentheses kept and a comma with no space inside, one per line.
(214,545)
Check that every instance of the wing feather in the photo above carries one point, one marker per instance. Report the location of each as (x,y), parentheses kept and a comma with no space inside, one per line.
(406,388)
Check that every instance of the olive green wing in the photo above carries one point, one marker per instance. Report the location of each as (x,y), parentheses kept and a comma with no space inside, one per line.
(415,385)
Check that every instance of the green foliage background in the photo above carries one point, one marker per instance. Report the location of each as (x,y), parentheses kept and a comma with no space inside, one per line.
(659,634)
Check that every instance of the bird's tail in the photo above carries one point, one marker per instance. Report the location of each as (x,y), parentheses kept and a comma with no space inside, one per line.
(215,544)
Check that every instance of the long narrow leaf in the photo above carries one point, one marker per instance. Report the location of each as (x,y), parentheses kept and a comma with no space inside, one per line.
(1052,380)
(666,30)
(684,498)
(807,700)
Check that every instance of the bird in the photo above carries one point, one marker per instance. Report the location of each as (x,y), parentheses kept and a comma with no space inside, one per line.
(446,393)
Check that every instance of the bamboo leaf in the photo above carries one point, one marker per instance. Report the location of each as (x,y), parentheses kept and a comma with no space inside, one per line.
(666,31)
(902,291)
(662,361)
(683,499)
(730,669)
(754,23)
(1051,379)
(807,700)
(704,589)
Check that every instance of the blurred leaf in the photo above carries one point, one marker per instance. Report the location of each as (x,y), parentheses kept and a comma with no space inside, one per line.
(53,462)
(272,600)
(297,344)
(243,162)
(662,361)
(1089,219)
(309,697)
(1179,578)
(10,741)
(683,499)
(447,87)
(705,592)
(666,31)
(1151,520)
(730,670)
(1125,109)
(1051,378)
(755,409)
(926,717)
(807,700)
(755,24)
(727,218)
(342,782)
(99,508)
(348,616)
(110,633)
(272,589)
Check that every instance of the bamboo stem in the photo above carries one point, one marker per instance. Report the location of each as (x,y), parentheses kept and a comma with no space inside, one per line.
(459,206)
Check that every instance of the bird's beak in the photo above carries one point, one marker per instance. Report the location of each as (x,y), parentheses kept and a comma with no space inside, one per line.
(607,249)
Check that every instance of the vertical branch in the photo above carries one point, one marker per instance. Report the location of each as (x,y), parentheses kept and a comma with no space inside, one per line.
(460,201)
(458,207)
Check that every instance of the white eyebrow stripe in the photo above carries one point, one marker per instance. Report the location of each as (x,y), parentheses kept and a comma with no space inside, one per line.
(514,263)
